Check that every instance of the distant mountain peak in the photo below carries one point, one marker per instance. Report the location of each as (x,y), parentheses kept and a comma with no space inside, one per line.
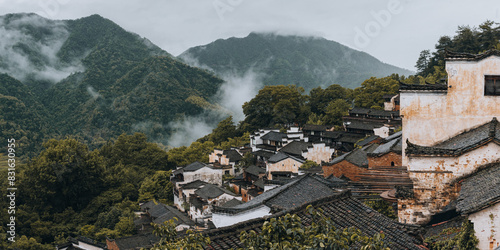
(303,60)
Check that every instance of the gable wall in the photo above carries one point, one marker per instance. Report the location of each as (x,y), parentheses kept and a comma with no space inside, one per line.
(206,174)
(319,153)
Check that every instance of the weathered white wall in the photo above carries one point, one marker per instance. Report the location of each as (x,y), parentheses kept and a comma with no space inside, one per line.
(432,117)
(319,152)
(429,118)
(224,220)
(205,174)
(432,178)
(288,164)
(487,226)
(383,132)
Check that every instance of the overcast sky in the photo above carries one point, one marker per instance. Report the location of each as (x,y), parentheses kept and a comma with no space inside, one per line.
(394,31)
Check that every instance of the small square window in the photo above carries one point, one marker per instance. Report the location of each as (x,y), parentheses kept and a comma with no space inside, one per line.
(491,85)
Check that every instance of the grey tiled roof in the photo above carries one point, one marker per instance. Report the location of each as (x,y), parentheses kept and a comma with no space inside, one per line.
(282,156)
(194,166)
(390,146)
(455,56)
(263,153)
(233,155)
(369,139)
(296,148)
(302,189)
(394,136)
(462,143)
(210,191)
(255,170)
(171,213)
(357,157)
(480,190)
(232,203)
(274,136)
(423,87)
(193,185)
(364,125)
(344,212)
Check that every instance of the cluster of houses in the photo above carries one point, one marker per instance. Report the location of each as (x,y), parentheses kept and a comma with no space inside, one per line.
(441,168)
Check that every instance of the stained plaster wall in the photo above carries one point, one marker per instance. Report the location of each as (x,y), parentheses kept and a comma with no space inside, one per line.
(486,227)
(318,153)
(288,165)
(429,118)
(432,117)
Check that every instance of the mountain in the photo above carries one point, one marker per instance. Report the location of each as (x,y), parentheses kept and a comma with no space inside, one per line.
(304,61)
(91,79)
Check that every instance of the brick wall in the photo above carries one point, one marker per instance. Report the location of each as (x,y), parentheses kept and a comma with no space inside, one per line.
(389,159)
(345,168)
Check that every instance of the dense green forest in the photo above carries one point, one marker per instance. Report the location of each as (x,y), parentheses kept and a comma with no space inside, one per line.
(116,82)
(306,62)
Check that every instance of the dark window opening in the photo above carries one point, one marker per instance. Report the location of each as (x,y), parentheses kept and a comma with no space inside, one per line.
(491,85)
(392,164)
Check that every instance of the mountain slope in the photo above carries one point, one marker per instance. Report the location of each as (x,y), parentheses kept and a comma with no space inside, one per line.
(91,79)
(305,61)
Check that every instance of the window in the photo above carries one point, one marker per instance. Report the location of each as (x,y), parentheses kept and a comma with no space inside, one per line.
(491,85)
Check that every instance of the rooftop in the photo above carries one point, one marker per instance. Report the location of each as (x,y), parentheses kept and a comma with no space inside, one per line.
(254,170)
(357,157)
(393,145)
(454,56)
(171,213)
(461,143)
(296,148)
(210,191)
(300,190)
(233,155)
(280,156)
(274,136)
(343,210)
(480,190)
(423,87)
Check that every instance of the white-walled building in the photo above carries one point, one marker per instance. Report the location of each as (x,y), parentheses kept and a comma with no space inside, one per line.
(450,136)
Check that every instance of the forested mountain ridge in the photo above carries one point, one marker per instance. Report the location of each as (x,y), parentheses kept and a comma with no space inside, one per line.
(307,62)
(92,79)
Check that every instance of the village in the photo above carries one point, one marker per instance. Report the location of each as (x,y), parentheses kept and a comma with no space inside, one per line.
(432,155)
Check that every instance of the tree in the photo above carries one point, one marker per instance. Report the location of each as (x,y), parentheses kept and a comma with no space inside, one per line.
(169,239)
(197,151)
(26,243)
(224,130)
(423,62)
(319,98)
(157,187)
(372,91)
(335,111)
(467,238)
(275,105)
(65,174)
